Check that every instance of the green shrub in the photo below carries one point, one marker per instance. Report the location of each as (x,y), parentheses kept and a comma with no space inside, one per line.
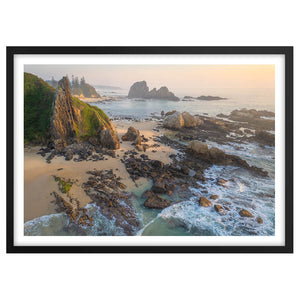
(39,99)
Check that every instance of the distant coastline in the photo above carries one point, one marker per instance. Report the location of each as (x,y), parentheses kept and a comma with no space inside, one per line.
(204,98)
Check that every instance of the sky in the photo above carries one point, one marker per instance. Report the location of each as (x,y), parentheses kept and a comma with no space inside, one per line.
(180,79)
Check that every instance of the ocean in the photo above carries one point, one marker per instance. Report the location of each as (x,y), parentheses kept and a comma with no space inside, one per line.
(243,189)
(260,99)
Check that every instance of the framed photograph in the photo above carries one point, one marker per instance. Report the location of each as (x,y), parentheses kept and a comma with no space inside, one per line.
(149,149)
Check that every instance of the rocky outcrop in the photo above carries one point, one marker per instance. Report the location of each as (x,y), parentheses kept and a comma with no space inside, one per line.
(264,138)
(56,118)
(176,120)
(210,98)
(64,119)
(202,97)
(74,120)
(189,120)
(256,119)
(156,202)
(132,135)
(138,90)
(141,90)
(214,155)
(106,191)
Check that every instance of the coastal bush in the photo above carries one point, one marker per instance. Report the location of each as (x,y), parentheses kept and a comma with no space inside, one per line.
(91,119)
(39,99)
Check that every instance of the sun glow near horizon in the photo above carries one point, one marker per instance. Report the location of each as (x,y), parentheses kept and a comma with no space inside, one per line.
(180,79)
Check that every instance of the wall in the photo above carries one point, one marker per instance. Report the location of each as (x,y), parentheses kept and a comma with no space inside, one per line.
(225,23)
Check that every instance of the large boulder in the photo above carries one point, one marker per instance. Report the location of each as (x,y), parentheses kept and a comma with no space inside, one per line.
(189,120)
(132,135)
(174,121)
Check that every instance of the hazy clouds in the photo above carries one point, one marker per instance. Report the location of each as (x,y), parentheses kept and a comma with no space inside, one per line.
(180,79)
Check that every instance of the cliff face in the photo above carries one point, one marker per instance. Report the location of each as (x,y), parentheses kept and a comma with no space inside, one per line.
(141,90)
(75,120)
(62,118)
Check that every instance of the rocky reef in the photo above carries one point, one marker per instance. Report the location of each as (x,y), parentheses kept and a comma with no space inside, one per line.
(257,119)
(141,90)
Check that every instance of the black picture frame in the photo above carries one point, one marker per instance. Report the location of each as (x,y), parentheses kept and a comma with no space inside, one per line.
(288,54)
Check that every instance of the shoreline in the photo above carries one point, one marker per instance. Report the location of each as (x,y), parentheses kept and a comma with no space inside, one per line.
(124,189)
(38,175)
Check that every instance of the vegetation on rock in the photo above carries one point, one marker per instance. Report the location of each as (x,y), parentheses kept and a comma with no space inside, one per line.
(64,185)
(39,99)
(91,120)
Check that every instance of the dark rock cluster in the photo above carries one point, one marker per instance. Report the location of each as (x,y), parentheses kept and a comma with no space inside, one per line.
(77,152)
(107,191)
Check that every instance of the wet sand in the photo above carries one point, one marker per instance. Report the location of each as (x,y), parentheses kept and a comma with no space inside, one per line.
(39,182)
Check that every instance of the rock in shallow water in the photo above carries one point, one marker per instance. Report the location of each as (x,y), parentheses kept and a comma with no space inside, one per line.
(245,213)
(155,201)
(204,202)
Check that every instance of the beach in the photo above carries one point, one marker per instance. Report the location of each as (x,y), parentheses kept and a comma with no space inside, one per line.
(39,180)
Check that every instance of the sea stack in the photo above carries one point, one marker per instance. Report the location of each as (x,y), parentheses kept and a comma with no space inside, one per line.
(56,116)
(74,120)
(64,119)
(141,90)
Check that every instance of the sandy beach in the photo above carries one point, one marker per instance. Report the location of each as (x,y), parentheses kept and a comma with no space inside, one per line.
(39,180)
